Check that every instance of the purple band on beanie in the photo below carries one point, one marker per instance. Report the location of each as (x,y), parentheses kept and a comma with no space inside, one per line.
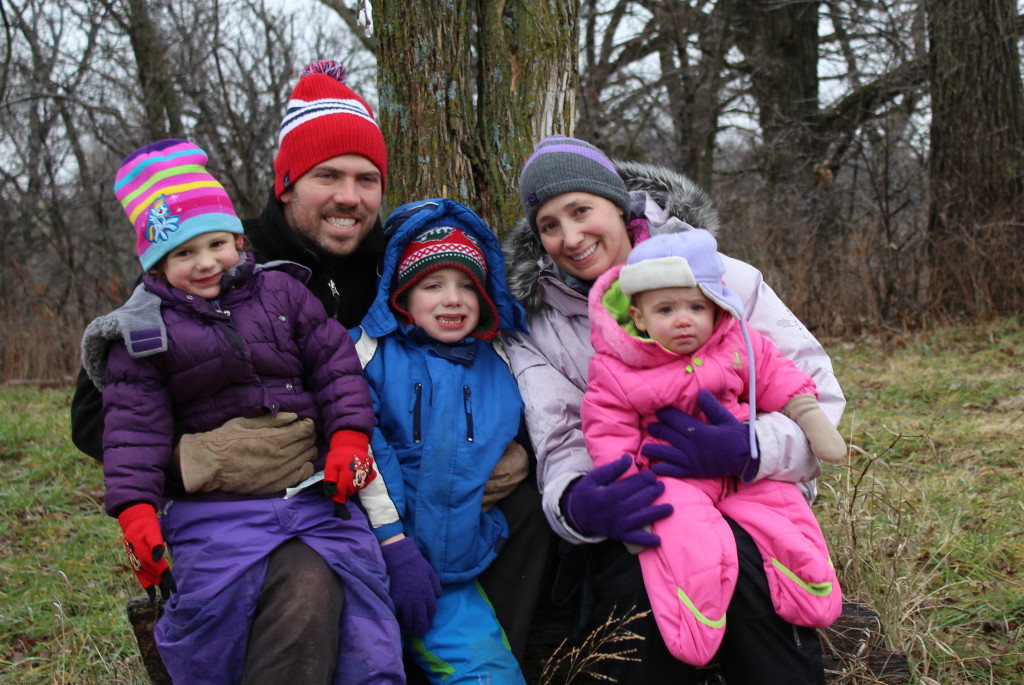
(563,165)
(129,173)
(589,153)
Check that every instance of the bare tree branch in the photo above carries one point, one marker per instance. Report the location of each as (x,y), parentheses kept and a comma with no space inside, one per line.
(351,18)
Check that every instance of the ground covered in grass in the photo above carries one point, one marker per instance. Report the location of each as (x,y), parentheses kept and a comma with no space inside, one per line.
(63,576)
(926,518)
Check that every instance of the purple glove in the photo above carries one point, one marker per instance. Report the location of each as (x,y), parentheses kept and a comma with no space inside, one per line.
(700,450)
(599,504)
(414,586)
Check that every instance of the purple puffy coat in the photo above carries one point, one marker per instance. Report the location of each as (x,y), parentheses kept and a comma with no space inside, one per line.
(265,346)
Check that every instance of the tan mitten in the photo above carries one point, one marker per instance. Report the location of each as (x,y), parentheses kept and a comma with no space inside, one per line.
(508,473)
(248,456)
(826,442)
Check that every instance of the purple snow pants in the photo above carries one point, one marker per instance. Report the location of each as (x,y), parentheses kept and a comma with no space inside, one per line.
(220,551)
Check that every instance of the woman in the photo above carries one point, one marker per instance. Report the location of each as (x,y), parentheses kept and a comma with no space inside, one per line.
(582,216)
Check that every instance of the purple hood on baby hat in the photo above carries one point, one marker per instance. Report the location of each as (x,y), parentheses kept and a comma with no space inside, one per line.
(680,260)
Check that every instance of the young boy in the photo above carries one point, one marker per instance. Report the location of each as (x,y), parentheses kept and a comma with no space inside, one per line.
(667,331)
(208,336)
(446,406)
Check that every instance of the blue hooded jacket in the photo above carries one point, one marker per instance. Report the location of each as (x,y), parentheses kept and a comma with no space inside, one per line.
(442,424)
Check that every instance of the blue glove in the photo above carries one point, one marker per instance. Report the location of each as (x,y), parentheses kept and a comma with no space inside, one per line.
(600,504)
(414,586)
(700,450)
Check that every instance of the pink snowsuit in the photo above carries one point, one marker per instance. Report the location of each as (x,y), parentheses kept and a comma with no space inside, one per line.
(690,577)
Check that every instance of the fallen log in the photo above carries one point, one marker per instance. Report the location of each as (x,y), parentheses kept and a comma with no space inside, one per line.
(852,649)
(143,613)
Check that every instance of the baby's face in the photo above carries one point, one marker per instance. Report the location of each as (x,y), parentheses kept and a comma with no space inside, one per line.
(444,303)
(680,319)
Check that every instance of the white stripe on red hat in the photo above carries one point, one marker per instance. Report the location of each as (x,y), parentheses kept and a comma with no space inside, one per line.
(302,111)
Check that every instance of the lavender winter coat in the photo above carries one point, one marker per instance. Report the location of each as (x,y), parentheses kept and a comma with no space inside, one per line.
(265,346)
(551,362)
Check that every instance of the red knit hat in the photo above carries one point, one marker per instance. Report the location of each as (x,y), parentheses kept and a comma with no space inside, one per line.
(441,247)
(325,119)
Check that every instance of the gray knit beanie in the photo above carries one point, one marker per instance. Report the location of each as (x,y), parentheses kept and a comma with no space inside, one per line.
(564,165)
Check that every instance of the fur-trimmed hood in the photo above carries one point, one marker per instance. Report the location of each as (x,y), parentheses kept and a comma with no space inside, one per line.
(526,260)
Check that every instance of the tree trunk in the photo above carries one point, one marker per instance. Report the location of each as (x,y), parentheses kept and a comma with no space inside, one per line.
(977,163)
(163,113)
(694,87)
(780,42)
(466,88)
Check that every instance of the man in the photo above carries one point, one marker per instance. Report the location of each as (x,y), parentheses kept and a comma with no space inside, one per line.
(329,179)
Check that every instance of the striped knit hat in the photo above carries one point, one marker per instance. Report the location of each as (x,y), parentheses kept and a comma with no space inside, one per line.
(170,198)
(325,119)
(564,165)
(441,247)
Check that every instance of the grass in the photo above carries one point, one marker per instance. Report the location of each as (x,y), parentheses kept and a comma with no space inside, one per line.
(63,578)
(925,519)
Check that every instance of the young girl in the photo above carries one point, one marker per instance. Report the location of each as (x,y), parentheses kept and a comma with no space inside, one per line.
(208,336)
(666,332)
(447,405)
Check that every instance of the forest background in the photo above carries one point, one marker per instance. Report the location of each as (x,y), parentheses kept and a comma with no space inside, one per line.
(867,156)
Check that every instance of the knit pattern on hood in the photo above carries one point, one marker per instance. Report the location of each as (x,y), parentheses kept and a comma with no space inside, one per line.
(672,190)
(381,319)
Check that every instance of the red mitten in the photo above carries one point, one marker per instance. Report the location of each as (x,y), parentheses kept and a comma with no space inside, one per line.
(349,467)
(145,546)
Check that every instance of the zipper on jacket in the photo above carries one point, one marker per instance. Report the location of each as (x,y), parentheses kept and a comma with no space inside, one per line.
(227,327)
(469,412)
(335,298)
(417,391)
